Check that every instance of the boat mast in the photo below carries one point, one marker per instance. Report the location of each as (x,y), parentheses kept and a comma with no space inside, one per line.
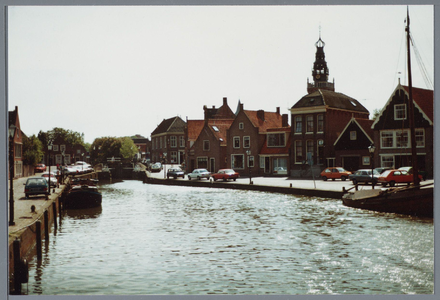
(411,110)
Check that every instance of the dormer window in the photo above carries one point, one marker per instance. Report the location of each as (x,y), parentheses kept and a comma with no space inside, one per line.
(400,112)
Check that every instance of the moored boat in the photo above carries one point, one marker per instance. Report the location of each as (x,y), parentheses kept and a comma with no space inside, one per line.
(83,193)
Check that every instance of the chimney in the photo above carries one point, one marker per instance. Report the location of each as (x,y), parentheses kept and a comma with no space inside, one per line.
(225,101)
(205,109)
(285,120)
(278,110)
(260,114)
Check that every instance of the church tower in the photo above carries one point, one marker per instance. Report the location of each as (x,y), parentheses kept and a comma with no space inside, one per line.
(320,70)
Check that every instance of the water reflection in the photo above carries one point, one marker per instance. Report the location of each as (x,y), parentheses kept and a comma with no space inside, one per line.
(87,213)
(150,239)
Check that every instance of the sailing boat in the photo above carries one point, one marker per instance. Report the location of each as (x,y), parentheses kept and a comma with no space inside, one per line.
(415,199)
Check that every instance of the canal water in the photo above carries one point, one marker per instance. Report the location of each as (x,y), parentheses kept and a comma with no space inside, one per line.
(164,240)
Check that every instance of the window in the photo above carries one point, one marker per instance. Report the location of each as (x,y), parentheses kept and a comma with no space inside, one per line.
(246,141)
(236,142)
(386,139)
(58,159)
(160,142)
(310,146)
(182,141)
(353,135)
(402,140)
(298,124)
(420,137)
(173,156)
(215,128)
(62,148)
(298,152)
(387,161)
(202,162)
(241,125)
(276,140)
(237,161)
(309,124)
(400,112)
(365,160)
(262,162)
(67,159)
(55,148)
(173,140)
(320,123)
(206,145)
(17,150)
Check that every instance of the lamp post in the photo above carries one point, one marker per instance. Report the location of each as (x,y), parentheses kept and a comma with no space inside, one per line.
(165,165)
(371,149)
(12,129)
(49,148)
(248,152)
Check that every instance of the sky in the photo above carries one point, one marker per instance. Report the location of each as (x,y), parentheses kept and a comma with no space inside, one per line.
(119,71)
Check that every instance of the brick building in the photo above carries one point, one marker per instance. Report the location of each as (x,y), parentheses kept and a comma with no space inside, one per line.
(168,141)
(17,142)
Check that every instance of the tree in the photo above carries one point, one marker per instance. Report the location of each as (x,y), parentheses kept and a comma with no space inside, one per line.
(71,137)
(32,150)
(128,148)
(103,148)
(376,113)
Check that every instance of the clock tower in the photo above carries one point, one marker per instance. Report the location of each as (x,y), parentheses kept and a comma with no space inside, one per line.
(320,70)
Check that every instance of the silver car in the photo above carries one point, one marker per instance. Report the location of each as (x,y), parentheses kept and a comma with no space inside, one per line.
(199,174)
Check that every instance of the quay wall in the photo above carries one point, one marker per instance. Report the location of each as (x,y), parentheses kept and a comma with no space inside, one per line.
(250,187)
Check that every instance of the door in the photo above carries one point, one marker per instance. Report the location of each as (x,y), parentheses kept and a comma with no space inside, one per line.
(212,165)
(267,165)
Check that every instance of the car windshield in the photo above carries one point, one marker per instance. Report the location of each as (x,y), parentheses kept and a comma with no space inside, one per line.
(386,173)
(340,169)
(229,171)
(36,182)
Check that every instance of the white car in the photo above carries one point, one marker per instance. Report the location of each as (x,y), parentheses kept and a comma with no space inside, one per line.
(280,171)
(50,177)
(199,174)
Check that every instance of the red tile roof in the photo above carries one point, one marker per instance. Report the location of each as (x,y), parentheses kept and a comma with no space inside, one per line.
(219,129)
(271,120)
(194,128)
(424,99)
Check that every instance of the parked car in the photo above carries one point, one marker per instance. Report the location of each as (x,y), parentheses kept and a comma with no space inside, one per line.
(335,173)
(364,175)
(40,168)
(225,174)
(392,177)
(50,177)
(280,171)
(199,174)
(381,170)
(175,172)
(410,171)
(36,186)
(157,167)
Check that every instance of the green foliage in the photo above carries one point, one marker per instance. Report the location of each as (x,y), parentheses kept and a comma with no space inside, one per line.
(69,136)
(32,150)
(128,148)
(376,113)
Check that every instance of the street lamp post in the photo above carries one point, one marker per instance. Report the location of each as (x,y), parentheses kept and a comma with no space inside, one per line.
(248,152)
(371,149)
(165,165)
(49,148)
(12,129)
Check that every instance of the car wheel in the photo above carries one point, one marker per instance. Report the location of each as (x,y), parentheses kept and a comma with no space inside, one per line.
(225,179)
(189,177)
(324,178)
(175,177)
(343,178)
(215,179)
(384,184)
(235,179)
(392,183)
(26,196)
(198,177)
(333,179)
(354,181)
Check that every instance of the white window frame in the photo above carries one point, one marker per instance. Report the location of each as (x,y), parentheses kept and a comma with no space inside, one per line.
(353,135)
(55,148)
(320,130)
(173,157)
(241,125)
(421,143)
(250,162)
(233,162)
(302,152)
(307,124)
(365,160)
(386,164)
(204,143)
(234,139)
(394,135)
(173,141)
(399,108)
(262,162)
(298,129)
(248,139)
(182,141)
(276,146)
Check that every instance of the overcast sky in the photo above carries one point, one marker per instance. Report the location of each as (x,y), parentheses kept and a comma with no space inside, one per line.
(119,71)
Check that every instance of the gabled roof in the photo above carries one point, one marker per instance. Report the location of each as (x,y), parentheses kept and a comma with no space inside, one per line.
(219,129)
(270,120)
(194,128)
(330,99)
(363,124)
(423,101)
(174,124)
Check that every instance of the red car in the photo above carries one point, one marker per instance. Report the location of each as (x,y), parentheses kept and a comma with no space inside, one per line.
(392,177)
(225,174)
(335,173)
(40,168)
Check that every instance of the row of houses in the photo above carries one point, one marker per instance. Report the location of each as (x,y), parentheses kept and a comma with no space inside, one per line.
(327,129)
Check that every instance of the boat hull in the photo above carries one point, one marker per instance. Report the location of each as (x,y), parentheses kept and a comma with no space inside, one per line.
(82,199)
(415,202)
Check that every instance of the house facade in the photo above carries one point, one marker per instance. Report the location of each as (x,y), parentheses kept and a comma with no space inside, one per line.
(254,131)
(64,153)
(352,145)
(318,119)
(143,144)
(17,143)
(392,135)
(168,141)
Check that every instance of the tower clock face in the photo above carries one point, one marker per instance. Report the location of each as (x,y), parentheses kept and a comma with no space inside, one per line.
(317,76)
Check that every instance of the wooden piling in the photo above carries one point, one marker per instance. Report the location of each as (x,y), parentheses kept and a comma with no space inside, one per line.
(17,282)
(38,233)
(54,213)
(46,226)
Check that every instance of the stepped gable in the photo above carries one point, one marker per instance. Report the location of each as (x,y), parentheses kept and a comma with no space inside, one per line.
(330,99)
